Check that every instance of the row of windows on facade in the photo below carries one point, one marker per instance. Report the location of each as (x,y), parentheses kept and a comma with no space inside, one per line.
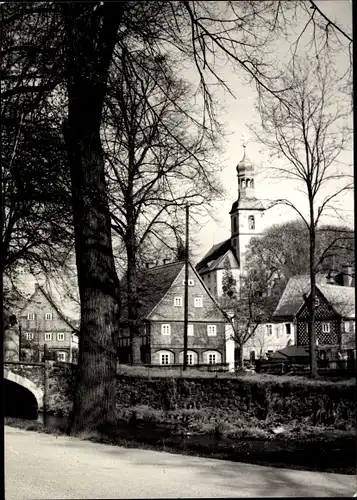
(48,336)
(197,302)
(211,330)
(165,358)
(269,329)
(326,327)
(32,316)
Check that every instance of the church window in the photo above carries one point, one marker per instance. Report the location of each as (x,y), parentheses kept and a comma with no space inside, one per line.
(248,183)
(252,183)
(251,222)
(243,183)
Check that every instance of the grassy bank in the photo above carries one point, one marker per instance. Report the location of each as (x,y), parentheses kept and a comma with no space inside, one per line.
(314,448)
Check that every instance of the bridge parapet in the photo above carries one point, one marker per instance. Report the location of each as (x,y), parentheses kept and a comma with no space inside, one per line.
(61,383)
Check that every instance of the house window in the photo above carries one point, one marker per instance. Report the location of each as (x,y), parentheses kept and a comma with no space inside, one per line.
(48,336)
(191,282)
(164,359)
(28,336)
(48,316)
(61,356)
(197,302)
(212,359)
(326,327)
(178,301)
(277,331)
(211,330)
(190,330)
(269,329)
(251,222)
(190,359)
(60,336)
(166,329)
(317,301)
(346,326)
(31,316)
(287,328)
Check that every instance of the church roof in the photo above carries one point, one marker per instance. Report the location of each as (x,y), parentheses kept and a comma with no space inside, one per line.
(214,258)
(248,204)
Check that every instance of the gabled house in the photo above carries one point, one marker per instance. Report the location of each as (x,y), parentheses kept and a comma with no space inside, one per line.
(42,322)
(334,312)
(161,292)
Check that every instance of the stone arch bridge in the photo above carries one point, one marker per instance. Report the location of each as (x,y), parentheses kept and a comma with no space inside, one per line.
(61,379)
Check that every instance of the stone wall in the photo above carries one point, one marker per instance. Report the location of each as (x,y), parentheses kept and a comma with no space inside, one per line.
(281,399)
(225,397)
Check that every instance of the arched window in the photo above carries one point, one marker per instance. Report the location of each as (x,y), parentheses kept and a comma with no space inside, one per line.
(243,184)
(251,222)
(164,357)
(252,183)
(212,357)
(192,358)
(247,183)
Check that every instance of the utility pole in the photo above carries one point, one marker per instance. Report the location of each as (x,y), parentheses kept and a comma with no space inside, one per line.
(185,324)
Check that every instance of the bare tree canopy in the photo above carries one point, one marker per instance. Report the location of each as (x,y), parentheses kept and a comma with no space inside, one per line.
(306,133)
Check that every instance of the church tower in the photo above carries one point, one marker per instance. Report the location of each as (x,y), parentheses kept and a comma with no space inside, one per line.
(247,212)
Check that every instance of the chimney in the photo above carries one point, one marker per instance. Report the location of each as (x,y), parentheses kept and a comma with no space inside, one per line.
(347,275)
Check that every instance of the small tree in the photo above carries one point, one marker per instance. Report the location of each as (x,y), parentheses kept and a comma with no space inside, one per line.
(308,130)
(229,283)
(246,311)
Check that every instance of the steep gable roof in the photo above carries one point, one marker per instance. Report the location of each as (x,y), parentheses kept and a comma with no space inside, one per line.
(293,296)
(53,304)
(341,298)
(153,284)
(213,258)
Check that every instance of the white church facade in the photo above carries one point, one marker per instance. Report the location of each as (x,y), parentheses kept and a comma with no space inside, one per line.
(246,222)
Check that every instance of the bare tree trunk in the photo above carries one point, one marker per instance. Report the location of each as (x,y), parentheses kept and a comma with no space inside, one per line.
(311,324)
(135,341)
(88,61)
(240,357)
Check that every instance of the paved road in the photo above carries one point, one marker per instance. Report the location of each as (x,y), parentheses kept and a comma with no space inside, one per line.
(43,466)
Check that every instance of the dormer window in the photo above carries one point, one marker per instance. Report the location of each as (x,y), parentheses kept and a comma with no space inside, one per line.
(251,222)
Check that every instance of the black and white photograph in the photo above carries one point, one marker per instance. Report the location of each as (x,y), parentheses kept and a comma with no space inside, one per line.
(178,249)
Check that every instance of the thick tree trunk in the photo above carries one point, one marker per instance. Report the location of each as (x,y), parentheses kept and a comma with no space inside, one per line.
(311,324)
(134,332)
(89,46)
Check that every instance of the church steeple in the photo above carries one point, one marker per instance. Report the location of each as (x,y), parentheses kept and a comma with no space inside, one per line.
(246,180)
(246,212)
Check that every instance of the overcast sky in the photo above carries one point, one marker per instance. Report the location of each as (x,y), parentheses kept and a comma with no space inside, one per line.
(238,114)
